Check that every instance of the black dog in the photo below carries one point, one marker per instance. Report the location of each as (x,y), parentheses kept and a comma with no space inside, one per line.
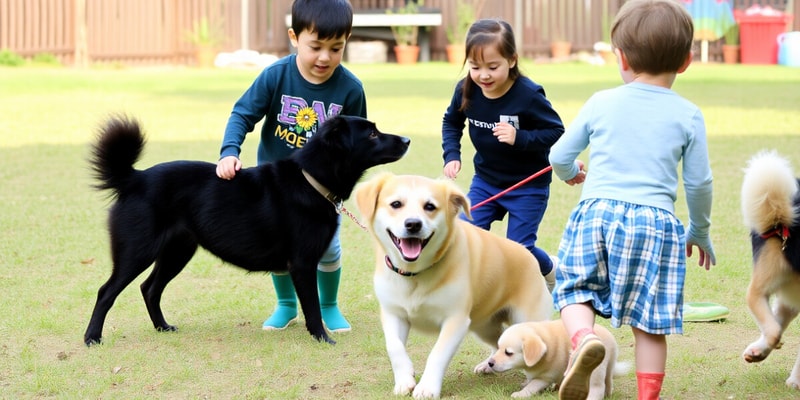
(274,217)
(771,209)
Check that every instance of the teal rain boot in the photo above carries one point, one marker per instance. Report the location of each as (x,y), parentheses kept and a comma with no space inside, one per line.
(285,313)
(328,283)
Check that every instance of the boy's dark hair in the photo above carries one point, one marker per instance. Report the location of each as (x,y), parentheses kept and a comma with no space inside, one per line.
(655,35)
(483,33)
(328,18)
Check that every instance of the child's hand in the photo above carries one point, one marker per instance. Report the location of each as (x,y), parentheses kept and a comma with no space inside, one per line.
(452,169)
(579,177)
(706,250)
(505,133)
(227,167)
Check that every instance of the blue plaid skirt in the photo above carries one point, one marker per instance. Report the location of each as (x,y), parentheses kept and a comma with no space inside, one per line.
(628,261)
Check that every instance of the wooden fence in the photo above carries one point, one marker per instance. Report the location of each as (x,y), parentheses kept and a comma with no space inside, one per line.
(142,32)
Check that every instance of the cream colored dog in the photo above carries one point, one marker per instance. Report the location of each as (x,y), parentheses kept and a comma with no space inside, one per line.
(542,349)
(439,274)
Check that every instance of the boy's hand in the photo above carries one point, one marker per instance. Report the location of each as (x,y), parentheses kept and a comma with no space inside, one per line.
(452,169)
(505,133)
(227,167)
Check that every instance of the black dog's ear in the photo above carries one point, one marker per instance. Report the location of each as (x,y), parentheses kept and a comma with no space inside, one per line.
(333,127)
(331,131)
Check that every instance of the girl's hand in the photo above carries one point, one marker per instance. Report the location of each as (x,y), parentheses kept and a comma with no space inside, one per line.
(505,133)
(452,169)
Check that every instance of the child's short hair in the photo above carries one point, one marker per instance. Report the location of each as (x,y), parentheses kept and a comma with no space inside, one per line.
(655,35)
(328,18)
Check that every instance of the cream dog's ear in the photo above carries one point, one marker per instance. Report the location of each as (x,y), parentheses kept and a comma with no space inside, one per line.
(458,200)
(533,349)
(367,193)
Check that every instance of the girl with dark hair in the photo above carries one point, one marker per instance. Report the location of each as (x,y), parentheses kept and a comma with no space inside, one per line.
(512,126)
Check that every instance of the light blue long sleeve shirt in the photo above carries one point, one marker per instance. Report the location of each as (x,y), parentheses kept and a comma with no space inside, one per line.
(638,135)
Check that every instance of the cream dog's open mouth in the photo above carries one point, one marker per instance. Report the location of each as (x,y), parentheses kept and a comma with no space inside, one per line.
(411,247)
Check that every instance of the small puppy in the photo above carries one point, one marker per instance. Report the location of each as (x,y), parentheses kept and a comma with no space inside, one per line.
(541,349)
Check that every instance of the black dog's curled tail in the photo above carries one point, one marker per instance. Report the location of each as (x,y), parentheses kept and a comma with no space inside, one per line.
(119,145)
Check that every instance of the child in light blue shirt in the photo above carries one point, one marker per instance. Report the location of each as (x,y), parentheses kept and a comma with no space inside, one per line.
(623,252)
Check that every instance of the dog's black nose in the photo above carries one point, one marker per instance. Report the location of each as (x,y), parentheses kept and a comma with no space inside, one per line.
(413,225)
(491,363)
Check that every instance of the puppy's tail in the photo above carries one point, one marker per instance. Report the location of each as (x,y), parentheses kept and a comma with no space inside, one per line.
(119,145)
(622,368)
(768,191)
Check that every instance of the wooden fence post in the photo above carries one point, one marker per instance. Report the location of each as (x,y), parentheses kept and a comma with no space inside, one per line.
(81,56)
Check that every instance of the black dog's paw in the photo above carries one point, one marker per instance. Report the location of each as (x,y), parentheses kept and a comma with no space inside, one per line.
(167,328)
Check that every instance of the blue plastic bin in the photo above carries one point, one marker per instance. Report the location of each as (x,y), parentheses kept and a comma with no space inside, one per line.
(789,49)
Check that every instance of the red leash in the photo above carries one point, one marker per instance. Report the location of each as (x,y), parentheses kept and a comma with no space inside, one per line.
(516,185)
(520,183)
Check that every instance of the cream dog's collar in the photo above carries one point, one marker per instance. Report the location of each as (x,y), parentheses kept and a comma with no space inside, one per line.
(398,270)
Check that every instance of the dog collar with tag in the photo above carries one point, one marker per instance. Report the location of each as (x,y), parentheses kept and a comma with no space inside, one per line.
(781,231)
(338,203)
(398,270)
(335,200)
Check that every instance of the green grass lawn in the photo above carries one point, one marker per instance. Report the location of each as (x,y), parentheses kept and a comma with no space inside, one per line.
(54,248)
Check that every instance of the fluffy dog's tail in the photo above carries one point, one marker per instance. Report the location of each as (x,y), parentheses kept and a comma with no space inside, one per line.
(768,190)
(622,368)
(119,145)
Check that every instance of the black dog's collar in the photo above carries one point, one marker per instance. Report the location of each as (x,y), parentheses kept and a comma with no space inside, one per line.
(781,231)
(335,200)
(398,270)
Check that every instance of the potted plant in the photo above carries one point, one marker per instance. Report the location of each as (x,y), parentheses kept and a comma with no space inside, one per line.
(457,31)
(206,39)
(560,47)
(730,49)
(405,36)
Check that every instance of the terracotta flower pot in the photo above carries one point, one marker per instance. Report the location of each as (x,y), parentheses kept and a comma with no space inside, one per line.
(455,54)
(730,53)
(560,50)
(204,55)
(406,54)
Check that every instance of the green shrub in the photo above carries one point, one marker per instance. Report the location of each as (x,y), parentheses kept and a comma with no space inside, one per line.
(46,59)
(11,59)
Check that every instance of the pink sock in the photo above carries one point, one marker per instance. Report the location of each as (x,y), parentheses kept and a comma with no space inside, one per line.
(576,338)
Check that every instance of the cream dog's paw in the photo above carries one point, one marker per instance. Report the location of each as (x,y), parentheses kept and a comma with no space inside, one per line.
(423,392)
(404,386)
(793,382)
(757,351)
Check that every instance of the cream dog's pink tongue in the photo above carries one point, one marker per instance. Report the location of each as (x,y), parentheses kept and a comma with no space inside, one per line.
(411,248)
